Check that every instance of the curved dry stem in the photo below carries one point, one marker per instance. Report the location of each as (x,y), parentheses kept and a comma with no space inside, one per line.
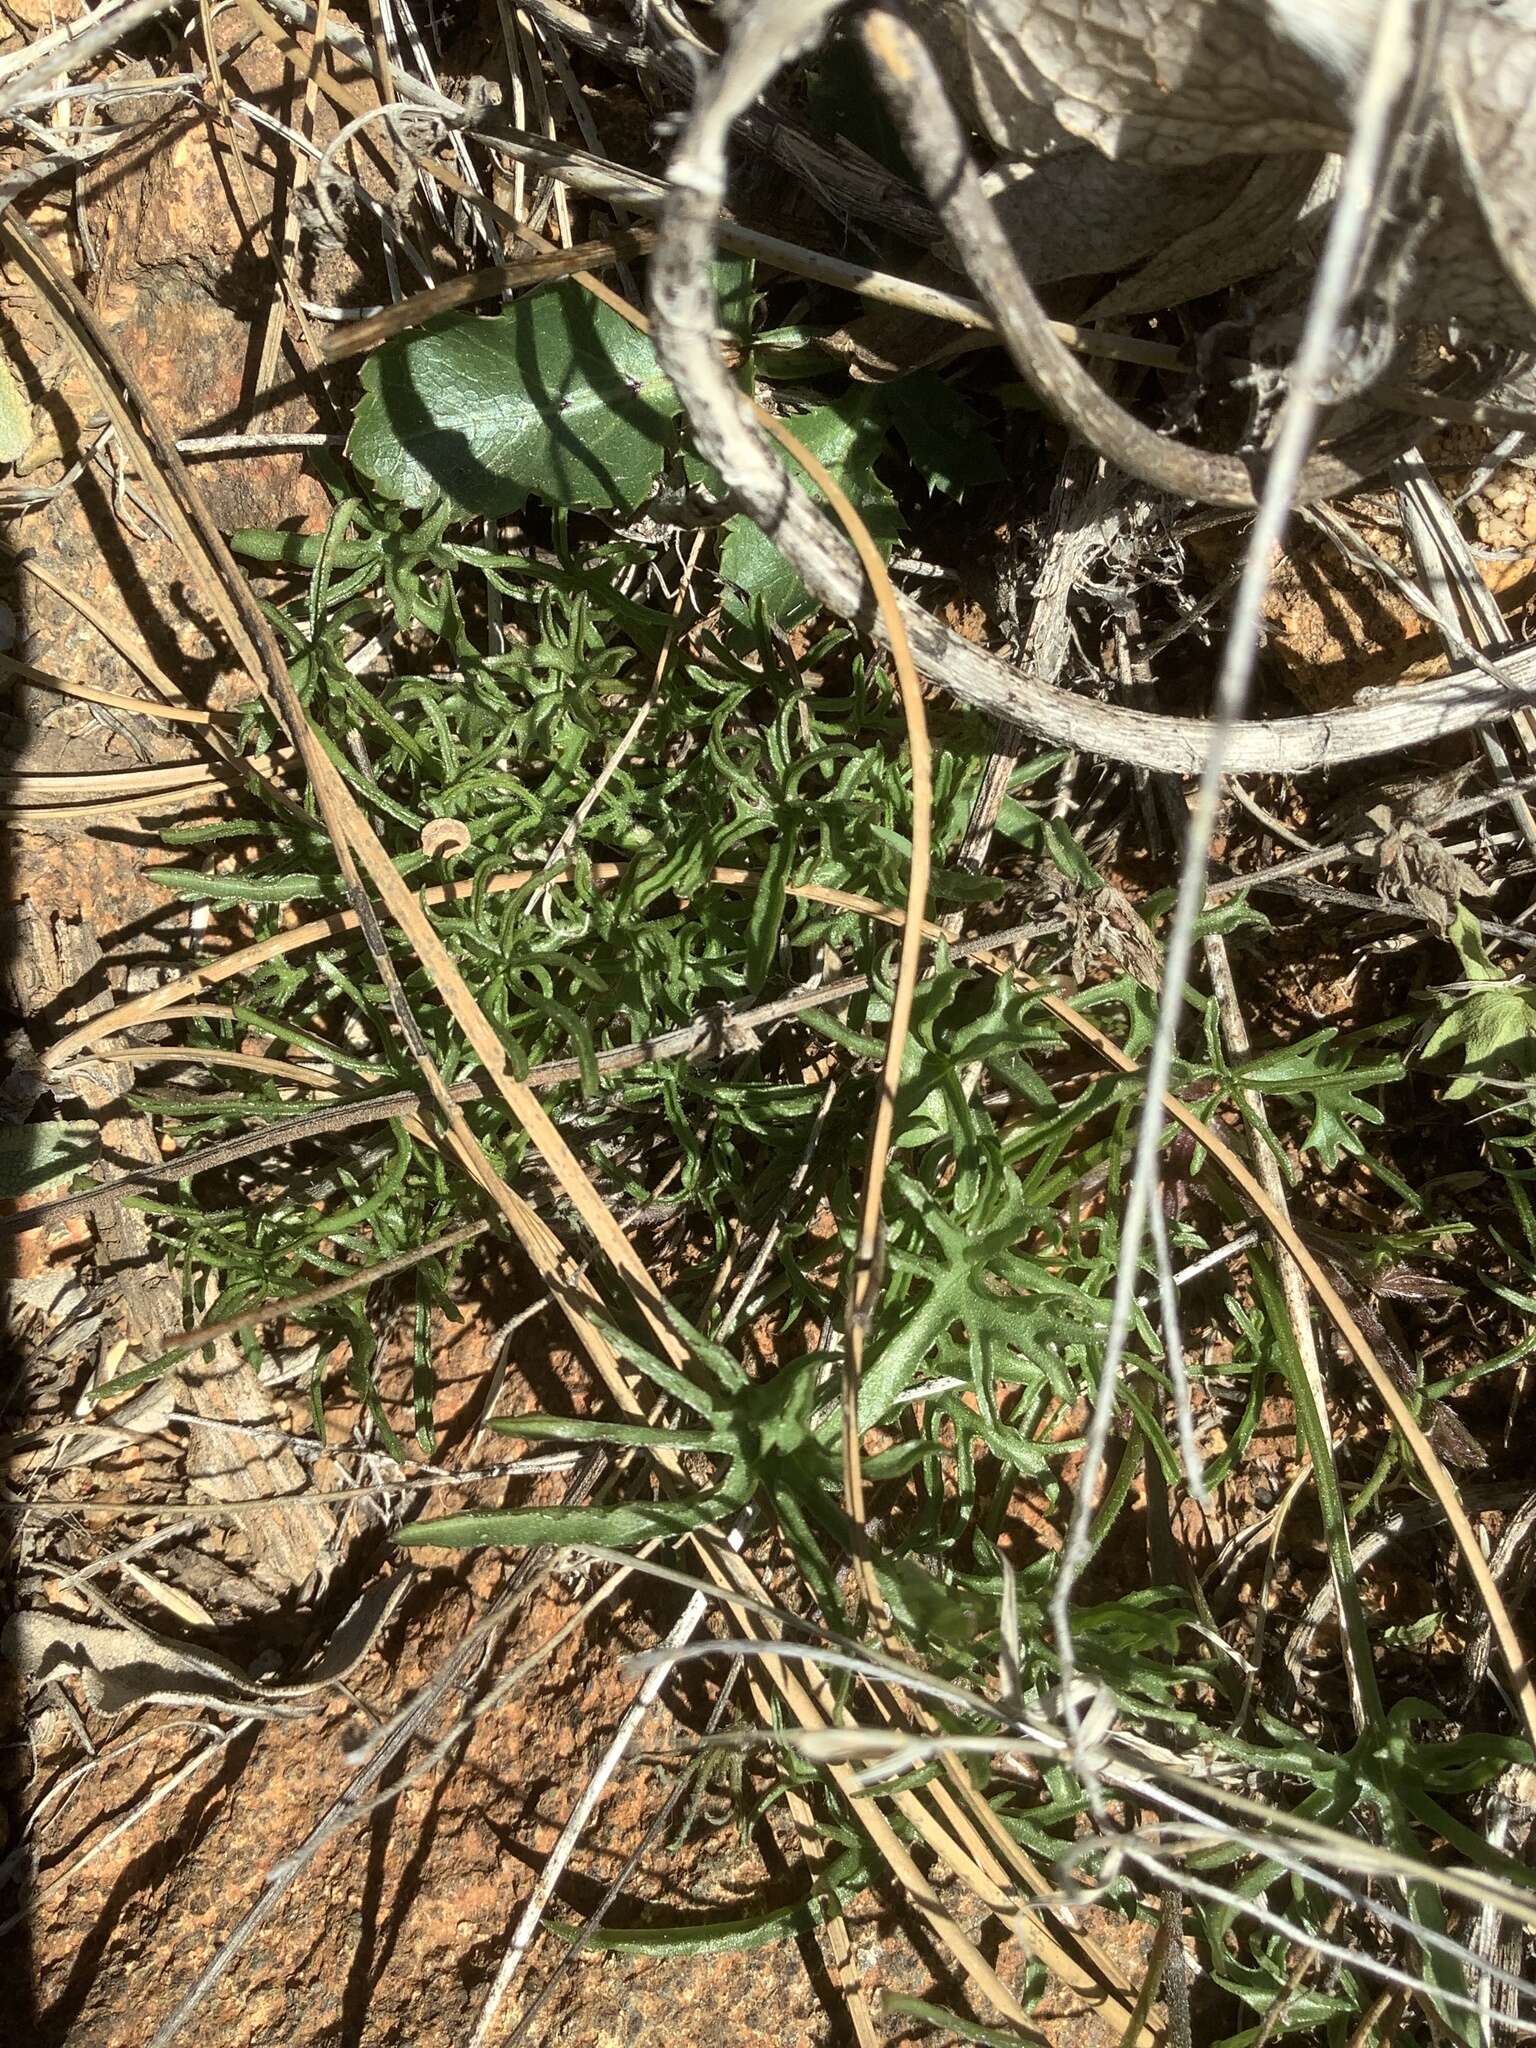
(684,316)
(865,1289)
(936,143)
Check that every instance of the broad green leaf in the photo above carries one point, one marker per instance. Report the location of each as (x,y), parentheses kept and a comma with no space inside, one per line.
(1069,856)
(1466,935)
(1331,1132)
(944,436)
(1493,1029)
(1016,820)
(1493,1024)
(299,550)
(735,294)
(1305,2010)
(36,1156)
(846,439)
(556,397)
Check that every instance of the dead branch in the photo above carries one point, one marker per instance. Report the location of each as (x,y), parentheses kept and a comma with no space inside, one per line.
(685,317)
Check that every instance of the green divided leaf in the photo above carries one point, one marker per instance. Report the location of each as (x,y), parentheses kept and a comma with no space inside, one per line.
(557,396)
(846,438)
(1335,1079)
(896,1361)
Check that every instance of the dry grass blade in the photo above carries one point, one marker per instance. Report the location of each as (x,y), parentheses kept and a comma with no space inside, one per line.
(189,793)
(810,1707)
(295,1073)
(109,784)
(133,650)
(77,43)
(358,336)
(114,700)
